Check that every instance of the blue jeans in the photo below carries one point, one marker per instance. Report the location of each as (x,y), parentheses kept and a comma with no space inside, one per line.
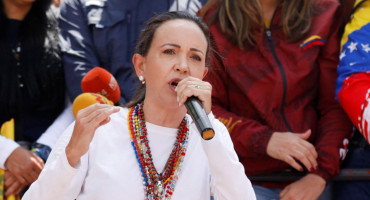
(347,190)
(265,193)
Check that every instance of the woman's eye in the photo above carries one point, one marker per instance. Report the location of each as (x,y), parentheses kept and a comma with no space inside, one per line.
(196,57)
(169,51)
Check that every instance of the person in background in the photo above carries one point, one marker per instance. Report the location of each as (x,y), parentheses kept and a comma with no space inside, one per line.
(275,89)
(56,3)
(150,149)
(353,86)
(104,33)
(55,7)
(32,90)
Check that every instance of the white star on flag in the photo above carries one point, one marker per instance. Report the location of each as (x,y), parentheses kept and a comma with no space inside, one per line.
(352,46)
(342,55)
(365,47)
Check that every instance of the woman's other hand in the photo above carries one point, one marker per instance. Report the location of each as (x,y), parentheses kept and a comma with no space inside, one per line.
(87,121)
(293,147)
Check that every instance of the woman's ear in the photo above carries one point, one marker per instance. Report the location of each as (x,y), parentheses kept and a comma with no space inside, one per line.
(139,64)
(205,72)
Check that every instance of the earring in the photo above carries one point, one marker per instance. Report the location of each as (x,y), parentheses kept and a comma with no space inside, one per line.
(141,78)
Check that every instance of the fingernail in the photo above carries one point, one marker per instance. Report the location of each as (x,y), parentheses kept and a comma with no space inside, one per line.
(178,99)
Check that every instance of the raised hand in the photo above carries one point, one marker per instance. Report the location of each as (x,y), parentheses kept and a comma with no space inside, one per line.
(87,121)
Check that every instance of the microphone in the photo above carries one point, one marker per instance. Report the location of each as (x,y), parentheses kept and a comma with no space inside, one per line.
(99,80)
(199,116)
(86,99)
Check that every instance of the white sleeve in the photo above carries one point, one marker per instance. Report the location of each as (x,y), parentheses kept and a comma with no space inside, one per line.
(51,135)
(7,147)
(59,180)
(228,179)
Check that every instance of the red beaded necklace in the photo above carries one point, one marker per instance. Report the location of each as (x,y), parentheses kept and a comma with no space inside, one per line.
(157,185)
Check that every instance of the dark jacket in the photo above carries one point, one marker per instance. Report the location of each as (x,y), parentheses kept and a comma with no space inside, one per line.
(281,86)
(32,87)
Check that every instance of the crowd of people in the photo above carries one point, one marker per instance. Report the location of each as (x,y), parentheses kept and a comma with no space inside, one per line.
(285,85)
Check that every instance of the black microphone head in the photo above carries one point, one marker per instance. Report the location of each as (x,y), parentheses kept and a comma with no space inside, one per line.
(200,118)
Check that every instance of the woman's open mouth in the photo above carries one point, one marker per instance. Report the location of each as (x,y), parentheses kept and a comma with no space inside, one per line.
(174,83)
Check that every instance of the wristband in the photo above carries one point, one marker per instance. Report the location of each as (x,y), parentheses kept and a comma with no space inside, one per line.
(41,150)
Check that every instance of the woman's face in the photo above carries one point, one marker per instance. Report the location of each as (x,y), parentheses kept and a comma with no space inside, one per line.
(178,50)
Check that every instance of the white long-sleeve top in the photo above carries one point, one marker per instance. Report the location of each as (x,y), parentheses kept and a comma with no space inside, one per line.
(109,170)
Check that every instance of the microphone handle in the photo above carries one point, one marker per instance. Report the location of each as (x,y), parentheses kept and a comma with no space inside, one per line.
(199,116)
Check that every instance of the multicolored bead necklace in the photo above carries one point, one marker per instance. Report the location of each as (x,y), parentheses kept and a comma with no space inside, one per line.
(157,185)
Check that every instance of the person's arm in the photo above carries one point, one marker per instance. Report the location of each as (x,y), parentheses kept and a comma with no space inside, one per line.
(76,44)
(65,171)
(251,138)
(51,135)
(358,108)
(21,166)
(353,81)
(228,179)
(333,125)
(59,180)
(42,147)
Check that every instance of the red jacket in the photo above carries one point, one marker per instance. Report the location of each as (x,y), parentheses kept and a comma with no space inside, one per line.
(281,86)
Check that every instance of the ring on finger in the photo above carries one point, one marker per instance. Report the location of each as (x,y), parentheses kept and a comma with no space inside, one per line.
(198,86)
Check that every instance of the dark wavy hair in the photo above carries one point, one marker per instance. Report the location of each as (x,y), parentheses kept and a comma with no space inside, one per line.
(39,57)
(146,38)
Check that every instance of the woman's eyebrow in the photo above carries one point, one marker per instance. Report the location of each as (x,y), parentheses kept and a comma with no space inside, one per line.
(178,46)
(171,44)
(197,50)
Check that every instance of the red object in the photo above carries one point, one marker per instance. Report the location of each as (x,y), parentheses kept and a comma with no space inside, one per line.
(99,80)
(354,98)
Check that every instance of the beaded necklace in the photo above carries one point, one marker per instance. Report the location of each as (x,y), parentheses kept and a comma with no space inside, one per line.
(156,185)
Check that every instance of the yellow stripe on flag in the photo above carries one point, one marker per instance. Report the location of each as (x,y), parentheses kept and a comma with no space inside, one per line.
(7,130)
(359,19)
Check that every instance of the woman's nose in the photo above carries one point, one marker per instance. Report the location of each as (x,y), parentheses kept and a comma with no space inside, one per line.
(182,67)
